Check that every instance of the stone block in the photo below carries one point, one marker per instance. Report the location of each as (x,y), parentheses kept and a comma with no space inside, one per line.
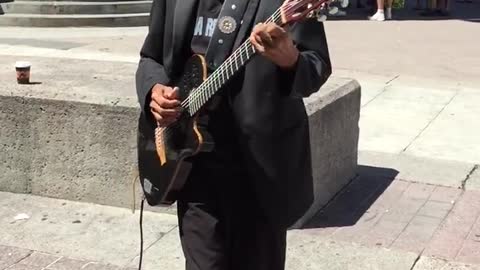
(333,113)
(73,135)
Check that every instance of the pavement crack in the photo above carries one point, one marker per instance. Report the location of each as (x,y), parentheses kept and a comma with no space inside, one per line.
(21,259)
(430,122)
(392,79)
(464,182)
(416,261)
(149,246)
(376,96)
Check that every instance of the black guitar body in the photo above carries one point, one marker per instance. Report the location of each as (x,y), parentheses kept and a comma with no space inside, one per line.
(181,140)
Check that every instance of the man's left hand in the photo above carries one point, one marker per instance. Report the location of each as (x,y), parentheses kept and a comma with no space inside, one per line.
(273,42)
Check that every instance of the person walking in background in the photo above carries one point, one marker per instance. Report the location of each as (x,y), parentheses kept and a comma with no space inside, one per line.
(383,11)
(437,8)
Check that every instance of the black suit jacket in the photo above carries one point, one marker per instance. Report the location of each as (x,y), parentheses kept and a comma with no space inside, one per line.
(269,110)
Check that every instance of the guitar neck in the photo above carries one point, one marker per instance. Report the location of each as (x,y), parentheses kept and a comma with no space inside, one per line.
(201,95)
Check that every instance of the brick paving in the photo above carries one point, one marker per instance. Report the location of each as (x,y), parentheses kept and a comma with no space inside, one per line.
(12,258)
(435,221)
(458,238)
(375,210)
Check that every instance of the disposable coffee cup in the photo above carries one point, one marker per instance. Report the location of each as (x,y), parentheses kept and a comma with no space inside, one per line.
(23,72)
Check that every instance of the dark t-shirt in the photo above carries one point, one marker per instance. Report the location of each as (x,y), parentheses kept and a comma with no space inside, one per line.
(205,24)
(220,123)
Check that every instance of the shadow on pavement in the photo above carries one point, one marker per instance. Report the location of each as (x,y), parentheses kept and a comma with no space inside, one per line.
(354,200)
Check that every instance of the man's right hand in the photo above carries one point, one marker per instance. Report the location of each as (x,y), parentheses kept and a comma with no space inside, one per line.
(164,104)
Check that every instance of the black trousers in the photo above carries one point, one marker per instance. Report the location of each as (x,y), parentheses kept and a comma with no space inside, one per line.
(221,225)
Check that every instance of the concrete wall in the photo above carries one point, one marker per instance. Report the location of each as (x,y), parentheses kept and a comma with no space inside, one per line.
(74,135)
(334,113)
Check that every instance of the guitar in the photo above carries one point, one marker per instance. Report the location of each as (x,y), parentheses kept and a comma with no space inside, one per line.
(185,138)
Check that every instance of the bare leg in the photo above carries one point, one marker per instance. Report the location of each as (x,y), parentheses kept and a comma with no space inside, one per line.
(388,14)
(380,4)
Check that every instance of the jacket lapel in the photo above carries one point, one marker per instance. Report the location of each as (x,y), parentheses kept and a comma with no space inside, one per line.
(248,19)
(184,11)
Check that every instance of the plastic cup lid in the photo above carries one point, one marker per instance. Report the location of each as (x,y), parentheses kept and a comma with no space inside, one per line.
(22,64)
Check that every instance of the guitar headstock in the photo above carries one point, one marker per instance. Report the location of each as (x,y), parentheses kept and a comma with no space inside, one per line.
(296,10)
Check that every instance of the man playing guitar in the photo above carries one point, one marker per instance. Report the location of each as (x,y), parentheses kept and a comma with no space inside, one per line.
(241,196)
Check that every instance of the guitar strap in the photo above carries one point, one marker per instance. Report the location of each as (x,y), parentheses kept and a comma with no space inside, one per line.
(225,33)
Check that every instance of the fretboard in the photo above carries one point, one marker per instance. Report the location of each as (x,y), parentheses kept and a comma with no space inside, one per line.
(201,95)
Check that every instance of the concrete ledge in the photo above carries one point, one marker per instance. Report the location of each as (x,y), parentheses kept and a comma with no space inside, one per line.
(107,20)
(334,112)
(74,7)
(73,135)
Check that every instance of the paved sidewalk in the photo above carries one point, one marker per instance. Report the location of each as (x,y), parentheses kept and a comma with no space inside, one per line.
(416,204)
(13,258)
(380,221)
(436,221)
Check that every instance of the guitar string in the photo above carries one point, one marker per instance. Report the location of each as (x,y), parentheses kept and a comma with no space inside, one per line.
(191,98)
(220,71)
(224,67)
(245,47)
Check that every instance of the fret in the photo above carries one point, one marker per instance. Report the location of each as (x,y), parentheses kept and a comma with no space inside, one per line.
(236,63)
(222,75)
(203,96)
(207,92)
(195,104)
(208,88)
(216,84)
(198,96)
(191,108)
(199,99)
(247,46)
(214,89)
(227,68)
(210,85)
(241,56)
(245,50)
(231,68)
(219,81)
